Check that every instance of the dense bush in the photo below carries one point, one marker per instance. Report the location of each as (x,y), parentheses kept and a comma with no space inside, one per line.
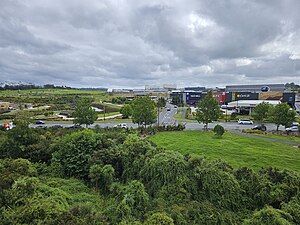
(125,179)
(218,130)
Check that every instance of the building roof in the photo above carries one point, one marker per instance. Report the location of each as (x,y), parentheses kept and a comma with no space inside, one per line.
(255,88)
(251,103)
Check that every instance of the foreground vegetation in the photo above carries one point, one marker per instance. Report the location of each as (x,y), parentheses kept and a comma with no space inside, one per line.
(234,149)
(111,176)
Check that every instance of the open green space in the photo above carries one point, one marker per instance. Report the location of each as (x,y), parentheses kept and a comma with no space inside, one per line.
(237,150)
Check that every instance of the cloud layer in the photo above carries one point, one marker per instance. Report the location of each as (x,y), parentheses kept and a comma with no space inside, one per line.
(118,43)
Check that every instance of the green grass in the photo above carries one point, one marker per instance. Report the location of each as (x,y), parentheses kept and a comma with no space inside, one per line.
(235,149)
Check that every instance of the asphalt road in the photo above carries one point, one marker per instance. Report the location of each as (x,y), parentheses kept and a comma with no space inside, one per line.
(166,117)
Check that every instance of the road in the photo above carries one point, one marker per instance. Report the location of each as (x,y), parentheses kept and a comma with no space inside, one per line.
(166,117)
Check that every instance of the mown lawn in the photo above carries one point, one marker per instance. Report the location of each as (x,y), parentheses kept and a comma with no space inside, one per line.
(235,149)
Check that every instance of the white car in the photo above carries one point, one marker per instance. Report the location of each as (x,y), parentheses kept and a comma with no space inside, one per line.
(245,122)
(292,129)
(121,125)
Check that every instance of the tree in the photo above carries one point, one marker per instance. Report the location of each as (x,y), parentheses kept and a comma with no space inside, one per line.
(208,110)
(74,151)
(161,102)
(126,111)
(84,113)
(102,176)
(143,111)
(261,112)
(283,115)
(176,100)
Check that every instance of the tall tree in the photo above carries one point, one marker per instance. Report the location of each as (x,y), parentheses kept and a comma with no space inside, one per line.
(143,111)
(84,113)
(161,102)
(283,115)
(208,110)
(126,110)
(261,112)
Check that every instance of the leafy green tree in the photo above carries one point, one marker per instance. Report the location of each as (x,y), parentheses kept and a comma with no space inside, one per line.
(159,219)
(102,176)
(74,151)
(164,169)
(176,100)
(261,112)
(143,111)
(208,110)
(161,103)
(283,114)
(84,113)
(126,110)
(269,216)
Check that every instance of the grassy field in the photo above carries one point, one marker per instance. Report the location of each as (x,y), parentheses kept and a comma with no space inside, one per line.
(235,149)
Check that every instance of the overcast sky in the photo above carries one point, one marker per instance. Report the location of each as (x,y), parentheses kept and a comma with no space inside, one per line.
(118,43)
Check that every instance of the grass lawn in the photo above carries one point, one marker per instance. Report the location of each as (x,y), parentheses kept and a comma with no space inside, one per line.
(235,149)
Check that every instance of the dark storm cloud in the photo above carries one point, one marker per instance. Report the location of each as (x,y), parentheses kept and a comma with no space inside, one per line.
(132,43)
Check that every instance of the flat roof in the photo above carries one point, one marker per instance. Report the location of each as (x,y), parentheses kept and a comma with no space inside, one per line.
(249,103)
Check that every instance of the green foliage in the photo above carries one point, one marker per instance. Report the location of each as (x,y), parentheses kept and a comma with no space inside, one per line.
(143,111)
(126,179)
(219,187)
(12,169)
(131,201)
(159,219)
(126,110)
(219,130)
(163,169)
(102,176)
(261,112)
(84,113)
(208,110)
(269,216)
(283,114)
(74,151)
(161,102)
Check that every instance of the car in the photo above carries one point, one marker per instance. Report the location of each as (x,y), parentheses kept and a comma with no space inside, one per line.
(259,127)
(175,106)
(292,129)
(39,122)
(168,109)
(57,126)
(121,125)
(245,122)
(76,126)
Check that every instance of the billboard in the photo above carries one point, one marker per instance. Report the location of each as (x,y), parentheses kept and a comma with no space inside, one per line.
(270,95)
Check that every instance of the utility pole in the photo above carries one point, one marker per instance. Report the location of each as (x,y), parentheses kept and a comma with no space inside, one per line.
(104,112)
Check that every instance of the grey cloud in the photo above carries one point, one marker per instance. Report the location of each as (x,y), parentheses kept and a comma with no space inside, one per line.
(132,43)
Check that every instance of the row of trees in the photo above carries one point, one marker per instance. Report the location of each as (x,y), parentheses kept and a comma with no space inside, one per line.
(144,111)
(208,110)
(281,114)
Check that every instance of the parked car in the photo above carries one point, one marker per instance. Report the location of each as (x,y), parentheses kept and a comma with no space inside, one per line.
(39,122)
(168,109)
(57,126)
(259,127)
(74,127)
(245,122)
(121,125)
(292,129)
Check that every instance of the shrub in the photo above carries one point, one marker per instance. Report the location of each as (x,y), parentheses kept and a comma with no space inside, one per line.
(219,130)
